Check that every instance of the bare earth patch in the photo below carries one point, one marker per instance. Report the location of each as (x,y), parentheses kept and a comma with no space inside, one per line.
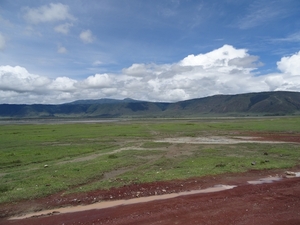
(218,140)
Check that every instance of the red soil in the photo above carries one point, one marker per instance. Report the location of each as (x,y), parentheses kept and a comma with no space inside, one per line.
(286,137)
(275,203)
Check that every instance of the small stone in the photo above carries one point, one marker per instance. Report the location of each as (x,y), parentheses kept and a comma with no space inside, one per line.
(253,163)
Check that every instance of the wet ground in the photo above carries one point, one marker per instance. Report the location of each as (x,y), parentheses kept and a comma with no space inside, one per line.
(272,199)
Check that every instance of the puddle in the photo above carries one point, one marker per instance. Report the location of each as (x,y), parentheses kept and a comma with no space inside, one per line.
(109,204)
(265,180)
(292,174)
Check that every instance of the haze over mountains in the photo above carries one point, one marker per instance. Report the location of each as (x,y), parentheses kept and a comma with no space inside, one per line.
(251,104)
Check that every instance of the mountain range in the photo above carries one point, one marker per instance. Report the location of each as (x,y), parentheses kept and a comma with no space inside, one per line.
(277,103)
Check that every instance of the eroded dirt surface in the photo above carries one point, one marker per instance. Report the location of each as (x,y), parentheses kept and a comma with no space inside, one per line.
(268,203)
(284,137)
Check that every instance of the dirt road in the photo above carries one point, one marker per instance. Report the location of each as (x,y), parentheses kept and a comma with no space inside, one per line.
(277,202)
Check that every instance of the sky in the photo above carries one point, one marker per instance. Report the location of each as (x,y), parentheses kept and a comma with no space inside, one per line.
(53,52)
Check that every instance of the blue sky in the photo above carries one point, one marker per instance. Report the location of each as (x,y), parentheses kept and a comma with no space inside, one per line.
(159,50)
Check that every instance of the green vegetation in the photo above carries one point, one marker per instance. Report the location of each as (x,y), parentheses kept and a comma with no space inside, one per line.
(42,159)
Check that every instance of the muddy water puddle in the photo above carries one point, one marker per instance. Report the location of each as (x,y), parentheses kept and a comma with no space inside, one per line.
(290,174)
(271,179)
(109,204)
(265,180)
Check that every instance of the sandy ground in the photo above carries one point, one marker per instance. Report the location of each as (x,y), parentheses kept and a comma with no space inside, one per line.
(254,197)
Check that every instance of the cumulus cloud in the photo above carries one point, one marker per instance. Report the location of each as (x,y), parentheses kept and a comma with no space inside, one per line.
(97,81)
(290,64)
(137,70)
(63,84)
(219,57)
(86,36)
(274,81)
(225,70)
(2,42)
(18,79)
(63,28)
(48,13)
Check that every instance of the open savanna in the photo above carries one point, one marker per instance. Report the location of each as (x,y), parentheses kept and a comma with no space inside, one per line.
(41,159)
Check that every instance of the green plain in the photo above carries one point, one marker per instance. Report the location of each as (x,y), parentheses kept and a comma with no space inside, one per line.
(41,159)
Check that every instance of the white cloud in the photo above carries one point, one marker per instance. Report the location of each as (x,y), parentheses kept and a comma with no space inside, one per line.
(109,91)
(48,13)
(138,70)
(86,36)
(2,42)
(98,81)
(63,84)
(63,28)
(218,57)
(274,81)
(226,70)
(290,64)
(18,79)
(61,50)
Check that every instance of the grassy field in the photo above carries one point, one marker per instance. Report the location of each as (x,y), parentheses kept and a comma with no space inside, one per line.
(42,159)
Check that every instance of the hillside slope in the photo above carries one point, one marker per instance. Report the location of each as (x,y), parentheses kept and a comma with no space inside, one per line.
(263,103)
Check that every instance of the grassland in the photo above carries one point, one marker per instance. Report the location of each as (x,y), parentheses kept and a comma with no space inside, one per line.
(41,159)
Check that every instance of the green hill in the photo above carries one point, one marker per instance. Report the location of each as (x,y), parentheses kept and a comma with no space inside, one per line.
(251,104)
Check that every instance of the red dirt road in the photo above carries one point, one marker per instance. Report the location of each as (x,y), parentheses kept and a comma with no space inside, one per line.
(270,203)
